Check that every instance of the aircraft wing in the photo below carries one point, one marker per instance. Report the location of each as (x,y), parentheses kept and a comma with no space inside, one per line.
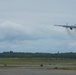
(67,26)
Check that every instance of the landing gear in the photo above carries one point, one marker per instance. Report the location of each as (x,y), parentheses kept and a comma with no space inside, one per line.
(70,28)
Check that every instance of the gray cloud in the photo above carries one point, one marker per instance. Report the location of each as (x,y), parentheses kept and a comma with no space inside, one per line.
(10,31)
(32,27)
(33,38)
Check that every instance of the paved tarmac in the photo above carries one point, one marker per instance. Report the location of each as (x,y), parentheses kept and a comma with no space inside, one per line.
(18,71)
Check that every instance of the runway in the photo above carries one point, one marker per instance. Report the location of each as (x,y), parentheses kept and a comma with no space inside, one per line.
(18,71)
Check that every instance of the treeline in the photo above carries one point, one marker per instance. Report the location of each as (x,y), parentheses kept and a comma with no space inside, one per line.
(58,55)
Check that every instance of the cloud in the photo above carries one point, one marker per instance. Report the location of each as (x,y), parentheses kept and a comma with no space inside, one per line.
(30,25)
(10,31)
(33,38)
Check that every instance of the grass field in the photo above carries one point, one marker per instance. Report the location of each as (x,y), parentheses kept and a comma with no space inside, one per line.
(67,64)
(33,61)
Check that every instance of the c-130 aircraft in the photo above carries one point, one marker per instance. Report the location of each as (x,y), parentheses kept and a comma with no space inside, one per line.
(67,26)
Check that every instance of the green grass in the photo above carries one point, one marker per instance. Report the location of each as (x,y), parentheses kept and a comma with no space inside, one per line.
(33,61)
(5,62)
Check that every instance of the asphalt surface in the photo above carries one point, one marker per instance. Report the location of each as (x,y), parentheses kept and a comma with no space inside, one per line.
(18,71)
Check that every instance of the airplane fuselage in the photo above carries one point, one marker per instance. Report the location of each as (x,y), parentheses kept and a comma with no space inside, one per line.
(67,26)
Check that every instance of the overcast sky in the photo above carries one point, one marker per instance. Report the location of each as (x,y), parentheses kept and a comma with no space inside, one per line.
(28,25)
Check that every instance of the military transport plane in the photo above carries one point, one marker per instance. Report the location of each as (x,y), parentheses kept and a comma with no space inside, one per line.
(67,26)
